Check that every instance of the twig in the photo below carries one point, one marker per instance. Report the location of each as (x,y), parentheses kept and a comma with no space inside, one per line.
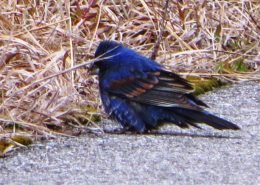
(162,26)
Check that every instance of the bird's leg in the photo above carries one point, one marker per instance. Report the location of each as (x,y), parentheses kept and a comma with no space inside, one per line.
(116,131)
(122,130)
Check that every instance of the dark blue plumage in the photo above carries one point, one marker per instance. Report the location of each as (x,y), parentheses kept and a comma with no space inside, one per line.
(141,95)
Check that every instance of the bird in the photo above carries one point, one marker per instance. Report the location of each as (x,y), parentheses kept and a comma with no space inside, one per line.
(142,95)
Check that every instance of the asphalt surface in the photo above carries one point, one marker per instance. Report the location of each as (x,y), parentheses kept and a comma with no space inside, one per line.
(189,156)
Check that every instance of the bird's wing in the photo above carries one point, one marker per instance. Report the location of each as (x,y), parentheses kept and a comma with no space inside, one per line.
(159,88)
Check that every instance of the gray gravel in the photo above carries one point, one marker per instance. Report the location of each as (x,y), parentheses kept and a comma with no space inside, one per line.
(153,159)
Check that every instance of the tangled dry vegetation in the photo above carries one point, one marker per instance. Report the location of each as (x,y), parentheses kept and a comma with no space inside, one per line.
(42,38)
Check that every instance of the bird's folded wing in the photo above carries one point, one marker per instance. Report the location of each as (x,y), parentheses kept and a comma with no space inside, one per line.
(160,88)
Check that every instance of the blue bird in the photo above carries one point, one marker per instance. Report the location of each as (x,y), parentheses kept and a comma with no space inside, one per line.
(141,95)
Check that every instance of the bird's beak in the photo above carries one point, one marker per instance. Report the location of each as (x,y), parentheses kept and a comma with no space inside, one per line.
(93,70)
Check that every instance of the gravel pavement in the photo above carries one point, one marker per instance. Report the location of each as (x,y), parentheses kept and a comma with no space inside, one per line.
(189,156)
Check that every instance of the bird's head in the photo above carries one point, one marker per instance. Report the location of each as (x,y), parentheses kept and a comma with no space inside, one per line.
(106,50)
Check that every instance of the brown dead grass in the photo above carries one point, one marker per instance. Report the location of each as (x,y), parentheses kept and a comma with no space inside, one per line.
(43,38)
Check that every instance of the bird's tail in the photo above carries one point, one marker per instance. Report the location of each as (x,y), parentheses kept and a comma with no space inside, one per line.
(193,116)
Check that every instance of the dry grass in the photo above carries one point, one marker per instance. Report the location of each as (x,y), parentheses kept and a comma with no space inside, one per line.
(43,38)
